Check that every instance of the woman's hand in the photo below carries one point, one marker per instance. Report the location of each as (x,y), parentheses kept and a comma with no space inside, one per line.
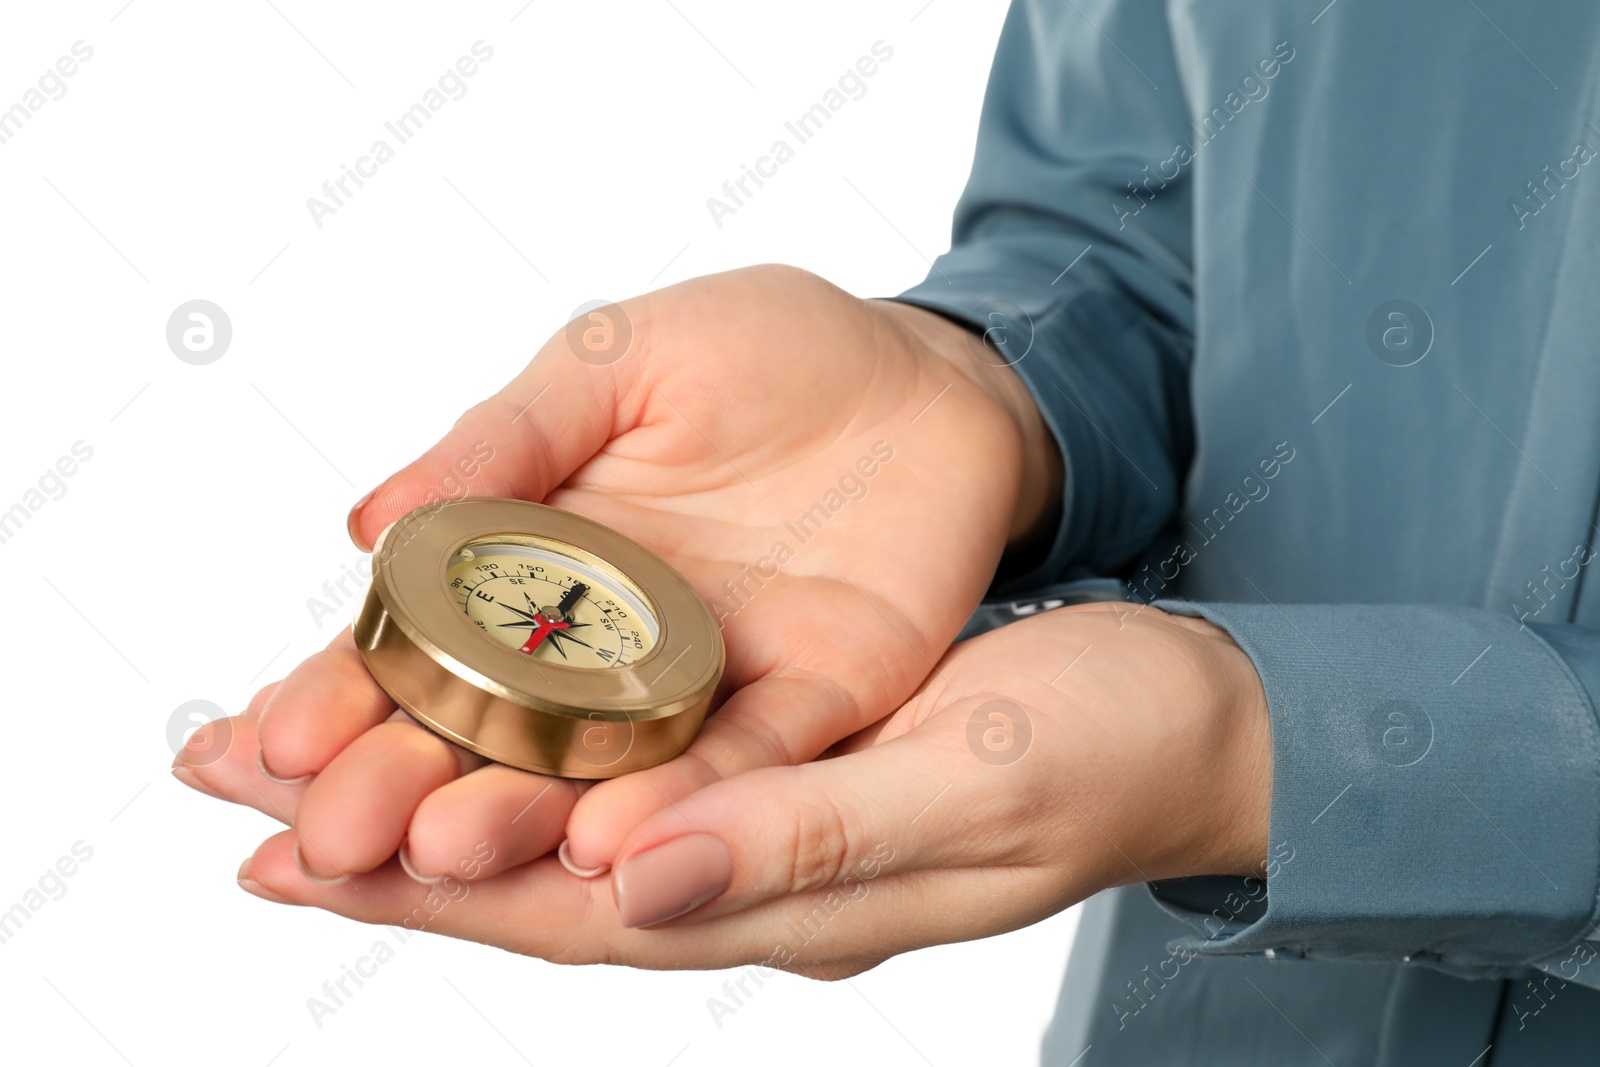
(838,478)
(1077,750)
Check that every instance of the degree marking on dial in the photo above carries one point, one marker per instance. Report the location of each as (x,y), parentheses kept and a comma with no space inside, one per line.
(554,621)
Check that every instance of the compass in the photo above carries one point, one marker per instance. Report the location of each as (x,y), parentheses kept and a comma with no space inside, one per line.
(538,638)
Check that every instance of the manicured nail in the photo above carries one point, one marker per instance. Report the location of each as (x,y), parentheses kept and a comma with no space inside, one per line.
(353,521)
(565,857)
(671,879)
(192,780)
(261,761)
(300,862)
(404,854)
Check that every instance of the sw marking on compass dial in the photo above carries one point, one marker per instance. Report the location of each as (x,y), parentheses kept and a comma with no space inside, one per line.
(536,596)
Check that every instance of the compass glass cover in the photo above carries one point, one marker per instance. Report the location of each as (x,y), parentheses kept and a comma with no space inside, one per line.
(552,602)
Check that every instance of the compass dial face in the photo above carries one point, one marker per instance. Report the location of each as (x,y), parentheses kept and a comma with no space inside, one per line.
(552,602)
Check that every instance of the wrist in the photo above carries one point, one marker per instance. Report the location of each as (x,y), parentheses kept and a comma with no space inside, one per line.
(1236,793)
(963,349)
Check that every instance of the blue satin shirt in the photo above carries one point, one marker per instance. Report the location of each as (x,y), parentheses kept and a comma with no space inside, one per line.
(1309,294)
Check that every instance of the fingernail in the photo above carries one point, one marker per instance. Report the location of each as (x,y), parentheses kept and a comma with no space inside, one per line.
(565,857)
(352,523)
(255,888)
(261,761)
(192,780)
(404,855)
(300,862)
(671,879)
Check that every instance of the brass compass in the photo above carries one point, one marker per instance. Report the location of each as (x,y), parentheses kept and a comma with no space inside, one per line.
(538,638)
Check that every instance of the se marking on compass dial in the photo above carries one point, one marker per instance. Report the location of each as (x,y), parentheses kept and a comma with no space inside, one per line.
(550,605)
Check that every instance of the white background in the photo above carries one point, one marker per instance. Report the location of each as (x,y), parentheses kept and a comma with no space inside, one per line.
(178,562)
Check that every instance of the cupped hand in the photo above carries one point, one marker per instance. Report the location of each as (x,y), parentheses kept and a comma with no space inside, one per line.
(1077,750)
(837,477)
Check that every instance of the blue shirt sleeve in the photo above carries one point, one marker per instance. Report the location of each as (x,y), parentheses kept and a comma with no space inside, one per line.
(1082,285)
(1435,793)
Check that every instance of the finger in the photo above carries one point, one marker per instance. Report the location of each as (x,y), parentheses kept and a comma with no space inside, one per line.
(486,822)
(212,743)
(922,801)
(354,813)
(866,737)
(321,707)
(258,701)
(538,909)
(221,761)
(527,438)
(776,720)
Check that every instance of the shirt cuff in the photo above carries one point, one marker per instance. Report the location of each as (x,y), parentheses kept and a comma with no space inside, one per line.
(1435,793)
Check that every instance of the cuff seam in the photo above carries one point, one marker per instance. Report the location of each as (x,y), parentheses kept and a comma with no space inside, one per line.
(1593,720)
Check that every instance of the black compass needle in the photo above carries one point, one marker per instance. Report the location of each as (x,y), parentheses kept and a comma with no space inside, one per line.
(531,621)
(570,600)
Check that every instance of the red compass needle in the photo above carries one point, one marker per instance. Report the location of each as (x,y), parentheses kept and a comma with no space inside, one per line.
(542,628)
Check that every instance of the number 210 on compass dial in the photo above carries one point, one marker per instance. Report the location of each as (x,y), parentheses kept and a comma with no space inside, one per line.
(538,638)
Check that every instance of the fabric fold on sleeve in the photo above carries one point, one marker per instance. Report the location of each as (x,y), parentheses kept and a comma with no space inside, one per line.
(1071,253)
(1435,794)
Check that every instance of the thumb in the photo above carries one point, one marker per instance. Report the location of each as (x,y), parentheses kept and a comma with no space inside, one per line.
(921,801)
(530,436)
